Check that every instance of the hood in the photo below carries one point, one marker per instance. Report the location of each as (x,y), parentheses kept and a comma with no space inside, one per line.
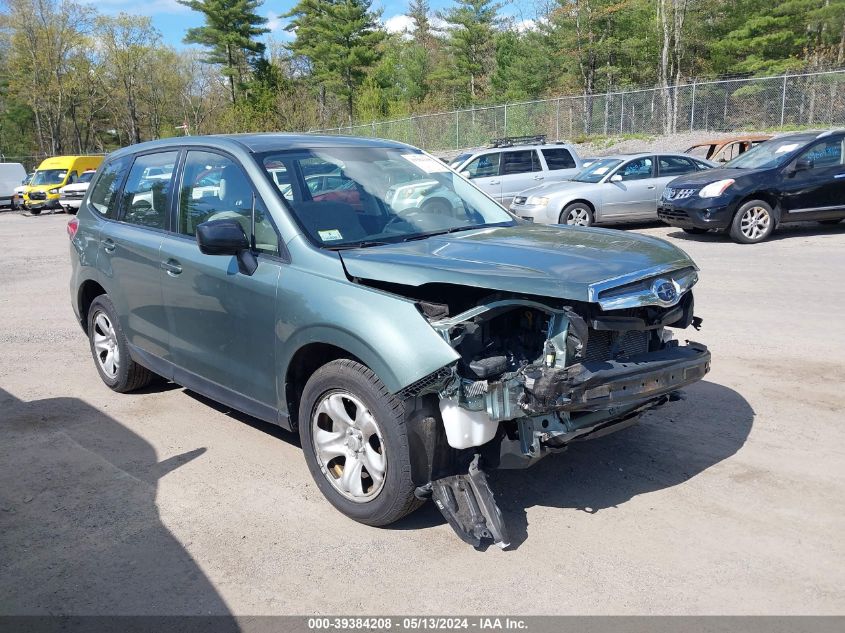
(699,179)
(77,186)
(553,261)
(561,186)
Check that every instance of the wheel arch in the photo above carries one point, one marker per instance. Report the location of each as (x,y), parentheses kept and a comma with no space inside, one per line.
(764,196)
(88,290)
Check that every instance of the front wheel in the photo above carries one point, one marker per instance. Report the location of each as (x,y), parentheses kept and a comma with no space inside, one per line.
(35,211)
(753,223)
(577,214)
(355,442)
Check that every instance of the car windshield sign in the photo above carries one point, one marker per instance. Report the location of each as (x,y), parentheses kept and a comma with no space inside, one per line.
(766,155)
(367,196)
(596,170)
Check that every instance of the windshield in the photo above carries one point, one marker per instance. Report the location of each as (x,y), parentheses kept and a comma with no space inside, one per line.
(86,176)
(459,159)
(354,196)
(49,177)
(596,170)
(766,155)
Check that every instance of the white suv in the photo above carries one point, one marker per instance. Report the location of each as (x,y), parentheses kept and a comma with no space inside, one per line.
(512,165)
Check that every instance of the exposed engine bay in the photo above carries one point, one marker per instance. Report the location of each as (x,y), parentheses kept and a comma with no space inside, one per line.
(535,374)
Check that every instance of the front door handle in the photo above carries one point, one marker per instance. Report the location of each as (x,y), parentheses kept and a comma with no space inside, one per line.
(109,245)
(171,267)
(538,177)
(649,186)
(495,182)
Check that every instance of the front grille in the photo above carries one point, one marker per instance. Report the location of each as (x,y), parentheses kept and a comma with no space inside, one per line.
(520,200)
(677,194)
(37,195)
(672,213)
(604,345)
(73,195)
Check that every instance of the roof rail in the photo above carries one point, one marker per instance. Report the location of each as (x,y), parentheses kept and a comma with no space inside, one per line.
(509,141)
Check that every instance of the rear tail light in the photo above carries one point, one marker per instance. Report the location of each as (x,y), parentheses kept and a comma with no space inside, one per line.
(72,227)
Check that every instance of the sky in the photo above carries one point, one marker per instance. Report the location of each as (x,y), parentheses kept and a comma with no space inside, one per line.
(172,19)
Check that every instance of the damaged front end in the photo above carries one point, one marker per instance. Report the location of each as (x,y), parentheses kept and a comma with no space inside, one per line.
(535,374)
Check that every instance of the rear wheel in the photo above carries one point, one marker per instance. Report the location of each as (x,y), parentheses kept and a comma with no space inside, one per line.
(694,231)
(35,211)
(110,350)
(577,214)
(753,222)
(355,443)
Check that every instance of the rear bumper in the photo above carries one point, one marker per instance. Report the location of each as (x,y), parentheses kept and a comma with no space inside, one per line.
(695,212)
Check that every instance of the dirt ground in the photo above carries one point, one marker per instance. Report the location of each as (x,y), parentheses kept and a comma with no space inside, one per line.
(731,502)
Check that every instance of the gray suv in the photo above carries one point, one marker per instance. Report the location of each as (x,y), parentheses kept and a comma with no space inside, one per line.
(512,165)
(412,346)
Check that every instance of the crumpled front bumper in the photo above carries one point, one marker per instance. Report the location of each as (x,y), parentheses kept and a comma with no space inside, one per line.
(593,386)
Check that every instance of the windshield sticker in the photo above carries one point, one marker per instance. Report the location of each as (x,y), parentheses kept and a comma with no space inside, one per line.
(331,235)
(783,149)
(428,164)
(601,170)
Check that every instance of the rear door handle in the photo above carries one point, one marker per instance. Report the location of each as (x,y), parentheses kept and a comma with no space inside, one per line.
(538,177)
(839,176)
(649,186)
(171,267)
(495,182)
(109,245)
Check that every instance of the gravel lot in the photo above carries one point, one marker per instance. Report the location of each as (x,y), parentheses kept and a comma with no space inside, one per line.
(732,501)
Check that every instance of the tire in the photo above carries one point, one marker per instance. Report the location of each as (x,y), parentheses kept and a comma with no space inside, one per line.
(377,433)
(35,211)
(105,336)
(577,214)
(752,223)
(694,231)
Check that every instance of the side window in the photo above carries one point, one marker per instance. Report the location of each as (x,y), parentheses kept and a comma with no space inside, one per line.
(521,162)
(637,169)
(103,199)
(826,153)
(674,165)
(145,199)
(484,166)
(701,166)
(558,158)
(215,187)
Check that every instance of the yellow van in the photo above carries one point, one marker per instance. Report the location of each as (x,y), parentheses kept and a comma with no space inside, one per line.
(53,174)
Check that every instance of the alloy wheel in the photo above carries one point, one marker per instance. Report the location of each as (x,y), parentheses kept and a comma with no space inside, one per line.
(349,446)
(105,345)
(579,216)
(755,223)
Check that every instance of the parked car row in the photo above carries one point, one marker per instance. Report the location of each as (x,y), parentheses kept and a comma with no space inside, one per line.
(757,183)
(59,182)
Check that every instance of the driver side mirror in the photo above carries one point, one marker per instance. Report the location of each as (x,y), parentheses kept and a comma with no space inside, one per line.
(803,164)
(616,178)
(466,174)
(227,237)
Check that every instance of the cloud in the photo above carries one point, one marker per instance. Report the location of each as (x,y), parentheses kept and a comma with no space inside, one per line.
(151,7)
(524,25)
(399,24)
(275,21)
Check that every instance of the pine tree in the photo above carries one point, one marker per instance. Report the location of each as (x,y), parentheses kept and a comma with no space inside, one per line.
(471,42)
(340,39)
(230,32)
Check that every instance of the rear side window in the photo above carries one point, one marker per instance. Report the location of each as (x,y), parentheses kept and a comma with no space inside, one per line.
(826,153)
(103,199)
(521,162)
(675,166)
(145,199)
(558,158)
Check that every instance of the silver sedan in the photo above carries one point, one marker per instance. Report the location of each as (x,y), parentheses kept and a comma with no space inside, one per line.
(620,188)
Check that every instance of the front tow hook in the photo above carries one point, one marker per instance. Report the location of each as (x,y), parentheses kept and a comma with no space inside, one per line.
(467,503)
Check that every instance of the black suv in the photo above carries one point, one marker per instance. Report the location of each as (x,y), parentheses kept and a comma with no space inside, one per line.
(790,178)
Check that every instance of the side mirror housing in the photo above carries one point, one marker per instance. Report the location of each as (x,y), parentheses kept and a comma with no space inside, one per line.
(803,164)
(616,178)
(465,173)
(227,237)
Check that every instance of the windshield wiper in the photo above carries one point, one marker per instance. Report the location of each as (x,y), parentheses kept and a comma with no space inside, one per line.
(454,229)
(361,244)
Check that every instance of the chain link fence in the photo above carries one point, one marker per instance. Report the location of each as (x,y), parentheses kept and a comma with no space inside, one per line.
(814,99)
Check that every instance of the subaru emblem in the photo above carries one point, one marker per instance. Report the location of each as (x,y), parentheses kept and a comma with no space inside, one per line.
(664,290)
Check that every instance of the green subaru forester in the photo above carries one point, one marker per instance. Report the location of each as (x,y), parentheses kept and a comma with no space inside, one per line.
(361,292)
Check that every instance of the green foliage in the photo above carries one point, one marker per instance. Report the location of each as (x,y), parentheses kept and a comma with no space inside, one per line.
(470,43)
(340,40)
